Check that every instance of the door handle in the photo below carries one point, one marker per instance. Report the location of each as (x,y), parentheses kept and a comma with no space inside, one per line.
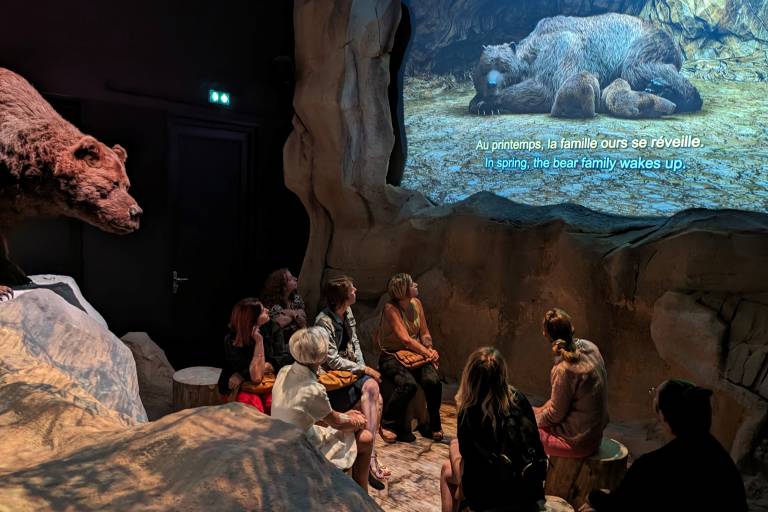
(176,280)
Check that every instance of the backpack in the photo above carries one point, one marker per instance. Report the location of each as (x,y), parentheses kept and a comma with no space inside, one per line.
(521,457)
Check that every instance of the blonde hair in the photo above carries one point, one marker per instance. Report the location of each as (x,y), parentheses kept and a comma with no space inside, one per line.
(559,329)
(484,383)
(309,346)
(398,285)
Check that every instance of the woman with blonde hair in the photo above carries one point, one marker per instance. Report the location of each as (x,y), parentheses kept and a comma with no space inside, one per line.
(498,459)
(403,326)
(298,398)
(571,422)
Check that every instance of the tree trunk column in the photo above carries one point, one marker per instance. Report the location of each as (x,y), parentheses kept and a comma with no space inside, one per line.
(196,386)
(574,479)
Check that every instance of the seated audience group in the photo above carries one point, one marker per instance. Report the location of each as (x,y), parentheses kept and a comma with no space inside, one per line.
(499,459)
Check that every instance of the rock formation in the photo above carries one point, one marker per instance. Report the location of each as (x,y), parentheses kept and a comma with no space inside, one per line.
(154,372)
(75,435)
(720,40)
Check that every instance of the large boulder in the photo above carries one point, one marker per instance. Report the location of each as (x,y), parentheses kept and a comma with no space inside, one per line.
(75,435)
(689,335)
(154,372)
(41,330)
(224,458)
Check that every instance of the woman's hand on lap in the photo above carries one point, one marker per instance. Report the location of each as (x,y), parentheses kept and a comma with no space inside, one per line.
(235,380)
(357,418)
(375,375)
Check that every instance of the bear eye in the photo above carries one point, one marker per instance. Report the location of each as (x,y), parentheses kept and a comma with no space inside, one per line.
(115,184)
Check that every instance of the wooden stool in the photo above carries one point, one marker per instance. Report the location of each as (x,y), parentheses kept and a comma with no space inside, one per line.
(574,479)
(196,386)
(557,504)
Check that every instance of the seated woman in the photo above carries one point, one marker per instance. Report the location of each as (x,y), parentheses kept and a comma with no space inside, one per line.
(497,437)
(404,326)
(344,354)
(299,399)
(571,422)
(244,354)
(286,313)
(691,472)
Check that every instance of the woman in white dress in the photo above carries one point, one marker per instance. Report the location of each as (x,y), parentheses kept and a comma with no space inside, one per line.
(298,398)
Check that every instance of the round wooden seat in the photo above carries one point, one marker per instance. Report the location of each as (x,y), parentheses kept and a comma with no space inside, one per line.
(574,479)
(196,386)
(557,504)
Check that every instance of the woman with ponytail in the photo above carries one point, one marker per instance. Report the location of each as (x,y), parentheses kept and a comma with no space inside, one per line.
(571,422)
(691,472)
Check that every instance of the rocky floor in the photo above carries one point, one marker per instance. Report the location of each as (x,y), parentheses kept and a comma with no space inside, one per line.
(728,170)
(415,482)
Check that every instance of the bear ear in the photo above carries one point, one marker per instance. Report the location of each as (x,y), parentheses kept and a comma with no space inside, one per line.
(513,47)
(87,149)
(121,153)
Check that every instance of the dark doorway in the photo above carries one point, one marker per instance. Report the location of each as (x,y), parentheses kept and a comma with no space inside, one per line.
(211,238)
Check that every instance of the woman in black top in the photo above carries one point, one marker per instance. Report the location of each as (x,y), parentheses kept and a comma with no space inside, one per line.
(691,472)
(498,460)
(244,358)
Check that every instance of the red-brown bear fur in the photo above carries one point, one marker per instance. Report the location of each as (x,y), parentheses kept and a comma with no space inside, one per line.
(48,167)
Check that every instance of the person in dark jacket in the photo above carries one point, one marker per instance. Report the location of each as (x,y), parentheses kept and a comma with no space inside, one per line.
(691,472)
(498,462)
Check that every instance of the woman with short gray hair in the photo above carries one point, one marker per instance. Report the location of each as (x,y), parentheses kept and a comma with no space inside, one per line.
(298,398)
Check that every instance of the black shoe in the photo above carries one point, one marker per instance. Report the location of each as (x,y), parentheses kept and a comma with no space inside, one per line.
(404,436)
(424,431)
(375,482)
(428,433)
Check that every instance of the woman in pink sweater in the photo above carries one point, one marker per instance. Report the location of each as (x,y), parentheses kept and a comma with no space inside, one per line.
(571,422)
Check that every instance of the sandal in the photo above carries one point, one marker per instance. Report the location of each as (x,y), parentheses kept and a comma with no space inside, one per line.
(387,435)
(380,471)
(375,482)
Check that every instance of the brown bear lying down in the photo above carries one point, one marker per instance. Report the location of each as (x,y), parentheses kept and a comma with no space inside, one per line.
(49,167)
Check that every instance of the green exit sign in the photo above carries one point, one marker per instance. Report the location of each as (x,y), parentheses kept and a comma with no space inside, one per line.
(219,97)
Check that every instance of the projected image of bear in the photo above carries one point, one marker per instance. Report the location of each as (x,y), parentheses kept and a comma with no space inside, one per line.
(575,67)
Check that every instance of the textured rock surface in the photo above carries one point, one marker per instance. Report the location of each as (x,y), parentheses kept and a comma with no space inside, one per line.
(227,458)
(689,335)
(488,268)
(720,39)
(75,435)
(154,372)
(41,329)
